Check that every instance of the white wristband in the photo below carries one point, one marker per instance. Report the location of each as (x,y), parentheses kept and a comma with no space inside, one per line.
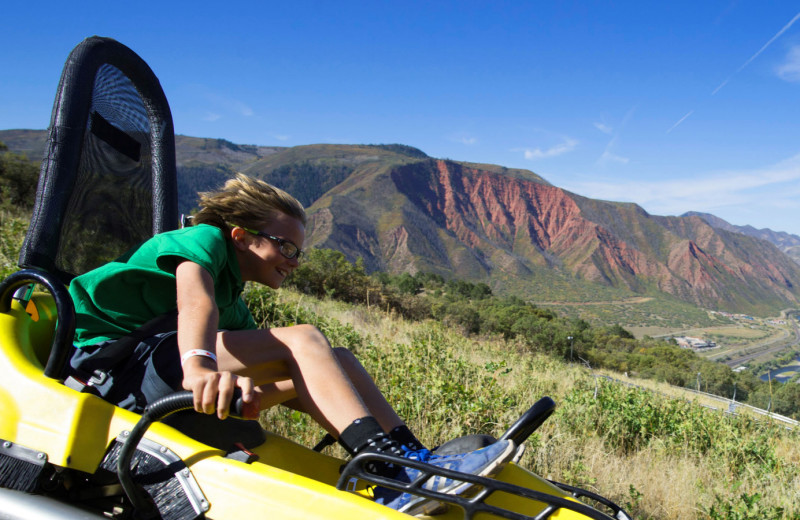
(198,352)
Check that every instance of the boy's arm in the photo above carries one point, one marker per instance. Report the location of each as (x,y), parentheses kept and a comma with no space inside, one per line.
(198,318)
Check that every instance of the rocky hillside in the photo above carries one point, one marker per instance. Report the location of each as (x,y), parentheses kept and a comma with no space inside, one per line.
(484,224)
(786,242)
(400,210)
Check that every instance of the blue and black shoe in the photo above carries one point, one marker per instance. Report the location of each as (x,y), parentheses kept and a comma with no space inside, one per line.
(485,462)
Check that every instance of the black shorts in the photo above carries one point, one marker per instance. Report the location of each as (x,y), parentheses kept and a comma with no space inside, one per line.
(134,374)
(131,376)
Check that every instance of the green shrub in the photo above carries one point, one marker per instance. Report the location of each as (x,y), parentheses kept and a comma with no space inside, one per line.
(631,419)
(747,507)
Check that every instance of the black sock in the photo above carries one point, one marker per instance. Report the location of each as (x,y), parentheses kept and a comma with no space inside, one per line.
(366,436)
(404,436)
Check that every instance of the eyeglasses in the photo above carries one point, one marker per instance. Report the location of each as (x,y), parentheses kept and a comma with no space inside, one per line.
(286,247)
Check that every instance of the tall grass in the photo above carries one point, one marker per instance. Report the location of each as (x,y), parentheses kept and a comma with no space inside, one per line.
(660,457)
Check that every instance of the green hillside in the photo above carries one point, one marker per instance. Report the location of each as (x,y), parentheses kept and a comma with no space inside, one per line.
(662,458)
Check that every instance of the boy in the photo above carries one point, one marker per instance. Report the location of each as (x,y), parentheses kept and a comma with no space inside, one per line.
(248,231)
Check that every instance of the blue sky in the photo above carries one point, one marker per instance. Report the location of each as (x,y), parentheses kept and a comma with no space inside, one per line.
(676,106)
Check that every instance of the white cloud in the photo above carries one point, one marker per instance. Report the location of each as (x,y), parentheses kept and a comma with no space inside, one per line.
(463,138)
(224,104)
(790,69)
(235,106)
(211,116)
(608,157)
(567,145)
(768,194)
(604,128)
(280,137)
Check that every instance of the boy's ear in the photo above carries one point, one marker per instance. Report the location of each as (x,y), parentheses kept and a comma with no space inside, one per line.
(239,237)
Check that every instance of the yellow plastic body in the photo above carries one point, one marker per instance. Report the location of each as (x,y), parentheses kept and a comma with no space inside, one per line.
(288,481)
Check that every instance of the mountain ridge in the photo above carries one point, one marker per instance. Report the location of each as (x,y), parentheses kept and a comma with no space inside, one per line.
(400,210)
(786,242)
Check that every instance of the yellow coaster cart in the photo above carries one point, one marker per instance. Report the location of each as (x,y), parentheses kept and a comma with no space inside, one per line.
(108,181)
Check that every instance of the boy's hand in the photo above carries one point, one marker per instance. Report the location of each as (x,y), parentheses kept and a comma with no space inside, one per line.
(213,390)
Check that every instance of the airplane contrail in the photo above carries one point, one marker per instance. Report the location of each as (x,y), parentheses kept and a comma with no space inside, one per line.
(681,120)
(762,49)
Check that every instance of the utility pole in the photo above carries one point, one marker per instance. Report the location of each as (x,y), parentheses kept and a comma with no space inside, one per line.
(732,406)
(571,342)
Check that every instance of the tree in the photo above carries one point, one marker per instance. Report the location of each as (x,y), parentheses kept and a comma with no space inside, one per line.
(407,284)
(326,272)
(18,180)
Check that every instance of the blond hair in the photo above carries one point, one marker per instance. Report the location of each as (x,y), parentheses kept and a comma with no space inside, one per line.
(248,202)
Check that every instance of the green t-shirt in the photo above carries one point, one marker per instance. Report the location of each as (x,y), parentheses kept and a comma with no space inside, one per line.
(117,298)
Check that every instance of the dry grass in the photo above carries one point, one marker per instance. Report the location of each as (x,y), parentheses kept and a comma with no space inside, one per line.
(657,476)
(655,481)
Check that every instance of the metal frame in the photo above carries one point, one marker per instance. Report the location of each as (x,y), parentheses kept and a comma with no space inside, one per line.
(356,469)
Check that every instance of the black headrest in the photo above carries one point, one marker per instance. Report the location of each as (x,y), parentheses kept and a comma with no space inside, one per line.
(108,178)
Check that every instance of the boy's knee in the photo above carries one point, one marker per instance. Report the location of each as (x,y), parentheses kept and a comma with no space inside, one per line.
(309,337)
(310,332)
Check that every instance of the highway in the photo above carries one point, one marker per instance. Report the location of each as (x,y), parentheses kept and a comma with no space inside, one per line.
(778,345)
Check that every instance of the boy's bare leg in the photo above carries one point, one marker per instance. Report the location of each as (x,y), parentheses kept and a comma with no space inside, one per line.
(280,392)
(304,356)
(373,398)
(283,392)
